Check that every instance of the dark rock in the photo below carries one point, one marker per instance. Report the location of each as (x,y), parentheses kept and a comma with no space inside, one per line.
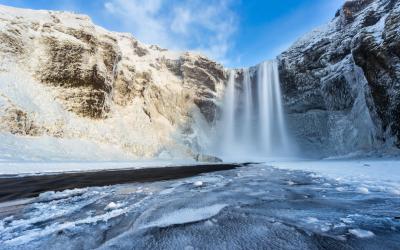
(207,107)
(207,158)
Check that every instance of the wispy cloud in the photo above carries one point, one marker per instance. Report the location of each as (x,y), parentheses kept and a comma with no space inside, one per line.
(206,26)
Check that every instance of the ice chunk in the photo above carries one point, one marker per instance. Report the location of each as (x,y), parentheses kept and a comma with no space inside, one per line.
(291,183)
(340,189)
(347,220)
(167,191)
(112,205)
(198,183)
(363,190)
(53,195)
(311,220)
(186,215)
(360,233)
(394,191)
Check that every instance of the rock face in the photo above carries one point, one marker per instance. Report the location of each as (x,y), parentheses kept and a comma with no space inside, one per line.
(341,83)
(62,76)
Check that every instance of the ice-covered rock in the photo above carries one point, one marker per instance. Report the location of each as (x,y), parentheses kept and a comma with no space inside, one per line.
(341,81)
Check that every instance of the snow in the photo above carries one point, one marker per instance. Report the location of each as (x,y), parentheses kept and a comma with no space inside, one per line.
(340,189)
(186,215)
(311,220)
(18,149)
(291,183)
(52,195)
(360,233)
(112,205)
(377,29)
(363,190)
(198,183)
(365,175)
(347,220)
(43,167)
(27,155)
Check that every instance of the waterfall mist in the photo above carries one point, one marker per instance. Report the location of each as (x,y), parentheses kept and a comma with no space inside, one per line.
(253,123)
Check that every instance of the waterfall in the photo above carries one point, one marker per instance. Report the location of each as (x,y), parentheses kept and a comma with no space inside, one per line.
(247,132)
(253,123)
(229,134)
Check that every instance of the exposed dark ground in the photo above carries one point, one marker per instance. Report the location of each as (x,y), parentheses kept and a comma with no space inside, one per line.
(17,187)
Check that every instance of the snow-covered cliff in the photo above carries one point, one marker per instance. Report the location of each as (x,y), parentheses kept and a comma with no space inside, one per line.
(67,85)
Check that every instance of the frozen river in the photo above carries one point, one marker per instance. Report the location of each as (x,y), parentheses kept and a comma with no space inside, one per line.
(252,207)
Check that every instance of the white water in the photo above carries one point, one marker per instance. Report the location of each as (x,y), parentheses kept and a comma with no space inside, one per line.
(253,123)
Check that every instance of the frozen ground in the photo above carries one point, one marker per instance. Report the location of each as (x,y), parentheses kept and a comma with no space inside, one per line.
(253,207)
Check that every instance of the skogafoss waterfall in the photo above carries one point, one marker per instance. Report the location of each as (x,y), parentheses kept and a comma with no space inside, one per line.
(252,123)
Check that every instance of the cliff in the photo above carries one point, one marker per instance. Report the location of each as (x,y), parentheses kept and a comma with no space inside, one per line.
(341,82)
(62,77)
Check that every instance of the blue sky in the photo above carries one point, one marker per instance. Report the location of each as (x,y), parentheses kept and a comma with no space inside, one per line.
(235,32)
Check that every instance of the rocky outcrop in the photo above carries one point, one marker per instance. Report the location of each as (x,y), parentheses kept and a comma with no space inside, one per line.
(62,75)
(18,122)
(341,82)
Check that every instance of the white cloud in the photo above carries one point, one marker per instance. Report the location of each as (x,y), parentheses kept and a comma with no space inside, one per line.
(181,21)
(206,26)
